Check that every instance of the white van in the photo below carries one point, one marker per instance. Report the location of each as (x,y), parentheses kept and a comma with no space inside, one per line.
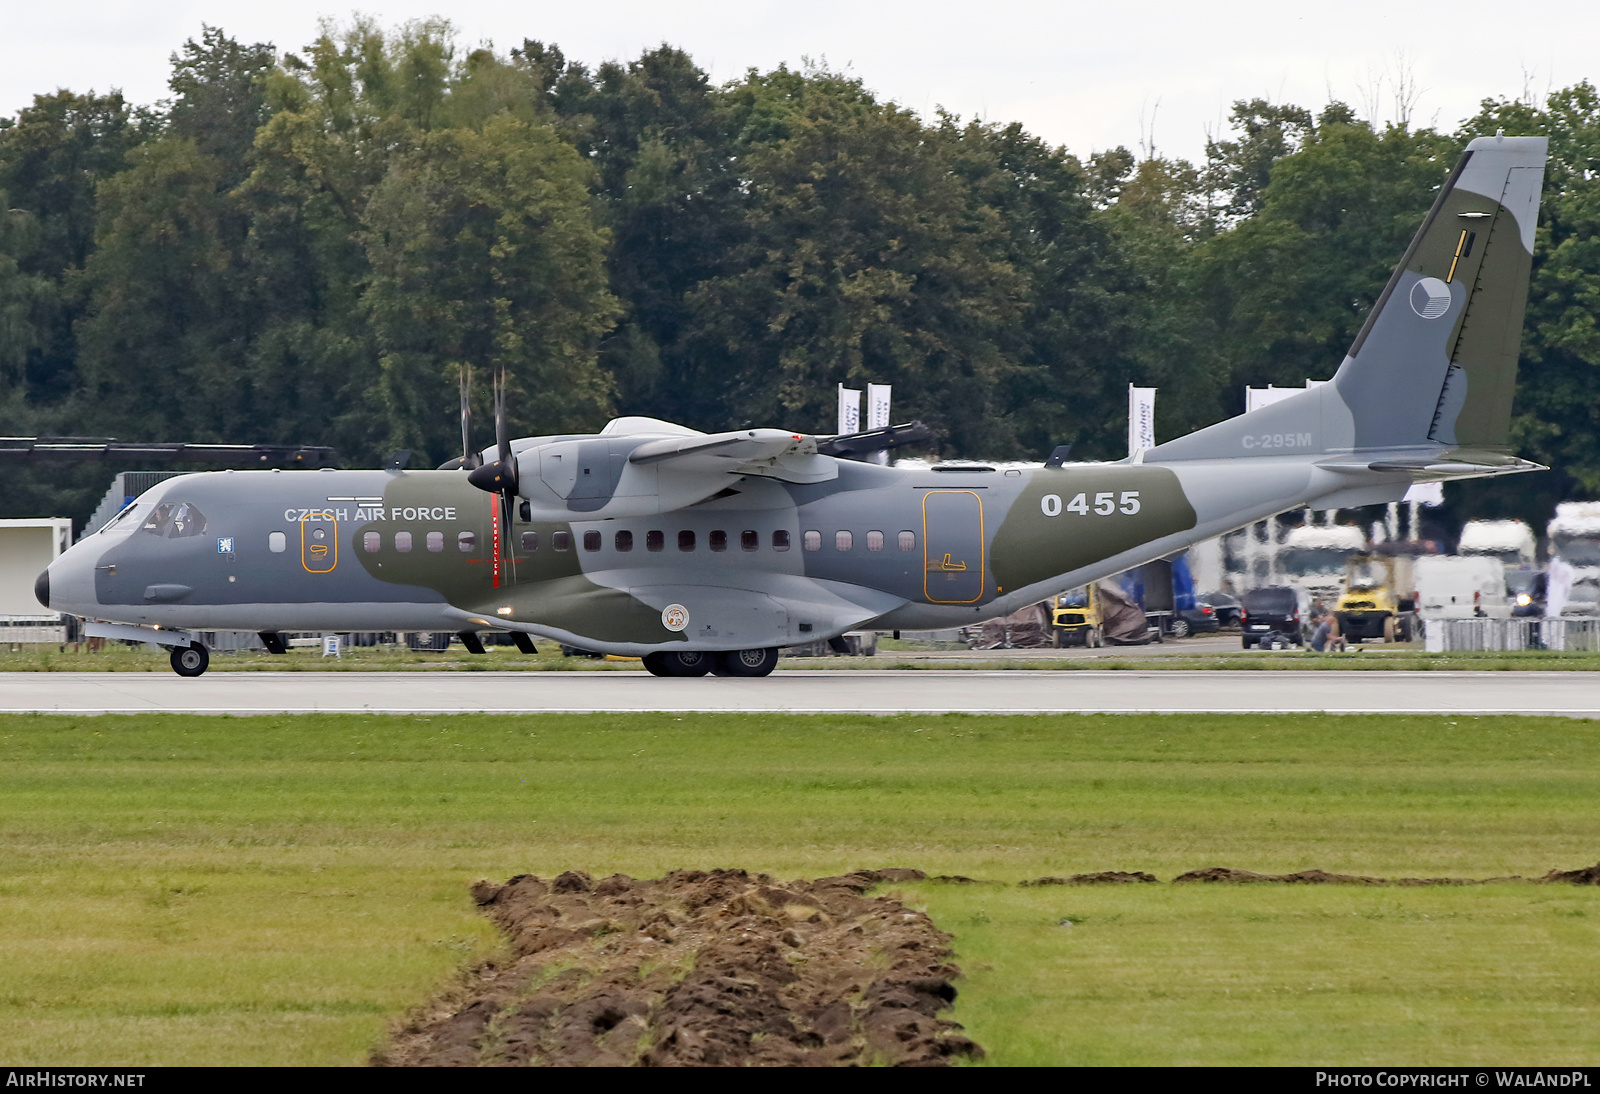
(1461,587)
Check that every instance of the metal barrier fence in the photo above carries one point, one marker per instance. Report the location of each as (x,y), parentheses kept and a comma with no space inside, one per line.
(1443,635)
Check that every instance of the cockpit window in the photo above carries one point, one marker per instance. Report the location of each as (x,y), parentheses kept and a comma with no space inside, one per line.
(175,520)
(127,510)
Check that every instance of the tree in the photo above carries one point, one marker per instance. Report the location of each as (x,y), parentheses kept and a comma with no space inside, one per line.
(1288,289)
(484,253)
(863,259)
(670,194)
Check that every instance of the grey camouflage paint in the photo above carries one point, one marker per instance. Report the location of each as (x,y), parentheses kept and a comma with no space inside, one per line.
(1424,394)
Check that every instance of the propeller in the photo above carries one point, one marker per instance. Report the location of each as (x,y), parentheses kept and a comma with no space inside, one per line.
(499,476)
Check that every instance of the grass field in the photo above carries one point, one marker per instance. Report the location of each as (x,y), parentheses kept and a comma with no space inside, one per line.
(186,890)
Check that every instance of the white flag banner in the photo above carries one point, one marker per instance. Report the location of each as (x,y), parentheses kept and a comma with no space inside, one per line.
(878,414)
(849,410)
(878,405)
(1141,418)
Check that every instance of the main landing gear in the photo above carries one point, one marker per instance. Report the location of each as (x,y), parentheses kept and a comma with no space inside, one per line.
(700,662)
(190,660)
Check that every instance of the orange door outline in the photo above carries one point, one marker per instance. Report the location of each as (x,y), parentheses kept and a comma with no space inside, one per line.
(317,552)
(945,563)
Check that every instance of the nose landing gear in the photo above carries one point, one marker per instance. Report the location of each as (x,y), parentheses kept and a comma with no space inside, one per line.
(190,660)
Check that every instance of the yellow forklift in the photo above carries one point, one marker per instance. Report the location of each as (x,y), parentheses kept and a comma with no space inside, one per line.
(1076,620)
(1377,601)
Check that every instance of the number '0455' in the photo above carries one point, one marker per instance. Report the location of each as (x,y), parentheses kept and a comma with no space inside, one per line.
(1104,504)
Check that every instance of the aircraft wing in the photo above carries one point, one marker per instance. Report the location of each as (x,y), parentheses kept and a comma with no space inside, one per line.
(774,453)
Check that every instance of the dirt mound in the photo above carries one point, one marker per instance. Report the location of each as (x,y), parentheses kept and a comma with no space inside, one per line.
(1102,877)
(695,968)
(1589,875)
(1304,877)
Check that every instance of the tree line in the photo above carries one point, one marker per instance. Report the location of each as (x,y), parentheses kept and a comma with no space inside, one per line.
(308,247)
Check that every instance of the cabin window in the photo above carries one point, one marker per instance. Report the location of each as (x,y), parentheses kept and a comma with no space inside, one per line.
(686,540)
(908,541)
(780,540)
(624,541)
(654,540)
(561,541)
(591,540)
(402,541)
(749,540)
(718,541)
(371,542)
(843,541)
(530,541)
(277,542)
(811,541)
(874,541)
(435,542)
(467,542)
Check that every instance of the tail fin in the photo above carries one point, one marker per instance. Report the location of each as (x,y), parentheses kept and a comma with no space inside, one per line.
(1435,365)
(1437,358)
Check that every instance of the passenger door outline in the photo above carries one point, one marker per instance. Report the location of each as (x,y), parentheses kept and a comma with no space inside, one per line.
(953,547)
(319,551)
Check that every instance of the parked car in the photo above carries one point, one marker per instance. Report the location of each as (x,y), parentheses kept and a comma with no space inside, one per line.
(1224,607)
(1277,612)
(1200,619)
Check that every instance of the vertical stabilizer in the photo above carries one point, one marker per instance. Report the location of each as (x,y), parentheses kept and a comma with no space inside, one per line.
(1435,365)
(1437,358)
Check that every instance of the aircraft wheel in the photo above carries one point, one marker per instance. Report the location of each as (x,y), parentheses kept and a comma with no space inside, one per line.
(678,663)
(747,662)
(190,660)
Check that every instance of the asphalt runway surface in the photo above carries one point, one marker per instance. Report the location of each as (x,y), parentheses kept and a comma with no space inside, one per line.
(864,691)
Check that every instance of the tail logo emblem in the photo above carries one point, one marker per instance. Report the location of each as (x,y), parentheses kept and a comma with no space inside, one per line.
(1430,298)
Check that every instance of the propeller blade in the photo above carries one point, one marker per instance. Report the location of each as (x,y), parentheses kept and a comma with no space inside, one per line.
(469,459)
(502,433)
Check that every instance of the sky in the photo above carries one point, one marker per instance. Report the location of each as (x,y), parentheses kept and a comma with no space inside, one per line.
(1089,76)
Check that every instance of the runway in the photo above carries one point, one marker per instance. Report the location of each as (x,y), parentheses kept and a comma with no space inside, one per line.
(859,691)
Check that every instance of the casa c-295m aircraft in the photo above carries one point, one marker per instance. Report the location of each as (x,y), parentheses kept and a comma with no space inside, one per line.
(709,552)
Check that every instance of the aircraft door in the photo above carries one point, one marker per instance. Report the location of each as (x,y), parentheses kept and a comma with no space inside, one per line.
(952,547)
(319,542)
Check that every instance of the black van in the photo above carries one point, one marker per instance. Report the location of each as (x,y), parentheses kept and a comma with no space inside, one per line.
(1277,610)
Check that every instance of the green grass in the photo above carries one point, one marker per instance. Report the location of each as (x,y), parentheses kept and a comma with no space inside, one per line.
(187,890)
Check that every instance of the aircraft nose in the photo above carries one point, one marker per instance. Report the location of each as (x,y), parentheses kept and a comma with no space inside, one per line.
(41,588)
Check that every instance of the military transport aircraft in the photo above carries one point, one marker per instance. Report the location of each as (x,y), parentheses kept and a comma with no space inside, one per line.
(707,552)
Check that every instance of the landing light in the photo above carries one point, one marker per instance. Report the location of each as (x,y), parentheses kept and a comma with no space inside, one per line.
(502,611)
